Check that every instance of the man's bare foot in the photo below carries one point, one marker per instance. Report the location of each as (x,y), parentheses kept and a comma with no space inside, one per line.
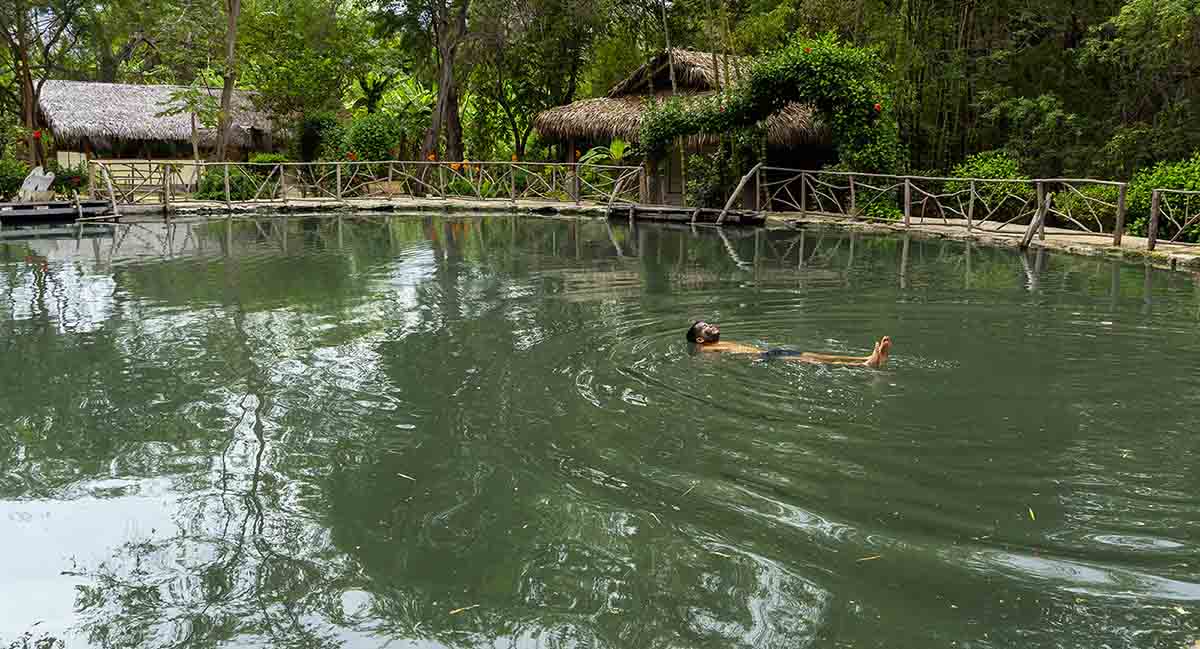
(879,357)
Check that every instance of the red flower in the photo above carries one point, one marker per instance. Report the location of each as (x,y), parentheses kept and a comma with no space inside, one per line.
(879,108)
(352,156)
(37,135)
(808,50)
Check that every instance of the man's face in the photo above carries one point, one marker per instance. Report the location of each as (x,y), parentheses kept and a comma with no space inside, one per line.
(707,333)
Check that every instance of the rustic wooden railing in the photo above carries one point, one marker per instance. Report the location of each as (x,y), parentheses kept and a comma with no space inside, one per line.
(162,182)
(1083,206)
(1175,209)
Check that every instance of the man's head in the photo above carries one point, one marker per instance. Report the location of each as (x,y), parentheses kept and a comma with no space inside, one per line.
(703,333)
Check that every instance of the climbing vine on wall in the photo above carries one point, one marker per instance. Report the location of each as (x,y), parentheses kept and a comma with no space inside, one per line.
(844,83)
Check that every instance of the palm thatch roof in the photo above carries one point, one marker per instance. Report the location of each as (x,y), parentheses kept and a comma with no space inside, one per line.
(694,71)
(75,110)
(619,114)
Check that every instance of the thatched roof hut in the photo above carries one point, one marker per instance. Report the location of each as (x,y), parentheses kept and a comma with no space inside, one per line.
(619,114)
(77,111)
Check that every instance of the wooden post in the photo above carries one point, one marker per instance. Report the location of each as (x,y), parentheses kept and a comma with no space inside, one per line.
(441,179)
(166,187)
(283,182)
(228,201)
(512,182)
(758,201)
(91,180)
(853,199)
(971,208)
(337,167)
(1041,194)
(803,194)
(1039,218)
(1155,208)
(643,185)
(907,206)
(1119,228)
(682,173)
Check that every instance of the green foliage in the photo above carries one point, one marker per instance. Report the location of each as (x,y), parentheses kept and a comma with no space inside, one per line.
(313,132)
(68,180)
(12,174)
(708,183)
(1183,175)
(268,158)
(845,83)
(242,183)
(993,164)
(615,153)
(193,100)
(374,136)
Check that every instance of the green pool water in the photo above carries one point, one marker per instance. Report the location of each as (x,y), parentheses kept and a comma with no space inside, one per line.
(438,431)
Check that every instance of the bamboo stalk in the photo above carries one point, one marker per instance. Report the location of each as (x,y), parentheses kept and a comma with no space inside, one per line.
(228,202)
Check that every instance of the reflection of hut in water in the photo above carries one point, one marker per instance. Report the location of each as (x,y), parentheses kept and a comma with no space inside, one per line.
(795,137)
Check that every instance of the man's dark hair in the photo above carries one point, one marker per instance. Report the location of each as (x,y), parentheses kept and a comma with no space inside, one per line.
(694,331)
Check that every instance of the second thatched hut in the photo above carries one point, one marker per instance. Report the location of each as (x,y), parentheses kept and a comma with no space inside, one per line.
(795,135)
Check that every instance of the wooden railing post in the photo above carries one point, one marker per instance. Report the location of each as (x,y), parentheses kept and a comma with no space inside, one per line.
(1119,228)
(441,179)
(166,187)
(907,202)
(337,171)
(803,194)
(1041,194)
(91,180)
(971,208)
(1155,208)
(512,182)
(853,199)
(758,201)
(575,184)
(228,200)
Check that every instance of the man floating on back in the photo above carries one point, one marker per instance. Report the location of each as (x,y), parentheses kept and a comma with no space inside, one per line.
(706,337)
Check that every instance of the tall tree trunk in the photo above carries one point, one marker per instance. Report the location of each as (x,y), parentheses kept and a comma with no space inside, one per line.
(431,146)
(233,9)
(454,132)
(449,30)
(195,140)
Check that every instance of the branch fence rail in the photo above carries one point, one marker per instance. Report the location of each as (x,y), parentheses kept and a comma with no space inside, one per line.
(157,182)
(1077,206)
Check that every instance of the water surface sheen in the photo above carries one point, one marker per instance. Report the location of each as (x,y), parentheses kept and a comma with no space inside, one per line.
(473,432)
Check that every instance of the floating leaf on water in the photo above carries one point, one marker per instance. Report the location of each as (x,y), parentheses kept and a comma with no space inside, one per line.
(870,558)
(465,608)
(1032,516)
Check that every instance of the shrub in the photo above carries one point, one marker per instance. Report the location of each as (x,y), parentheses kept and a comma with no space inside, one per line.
(68,180)
(313,132)
(374,136)
(998,165)
(12,174)
(1185,175)
(1084,210)
(242,184)
(707,184)
(268,158)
